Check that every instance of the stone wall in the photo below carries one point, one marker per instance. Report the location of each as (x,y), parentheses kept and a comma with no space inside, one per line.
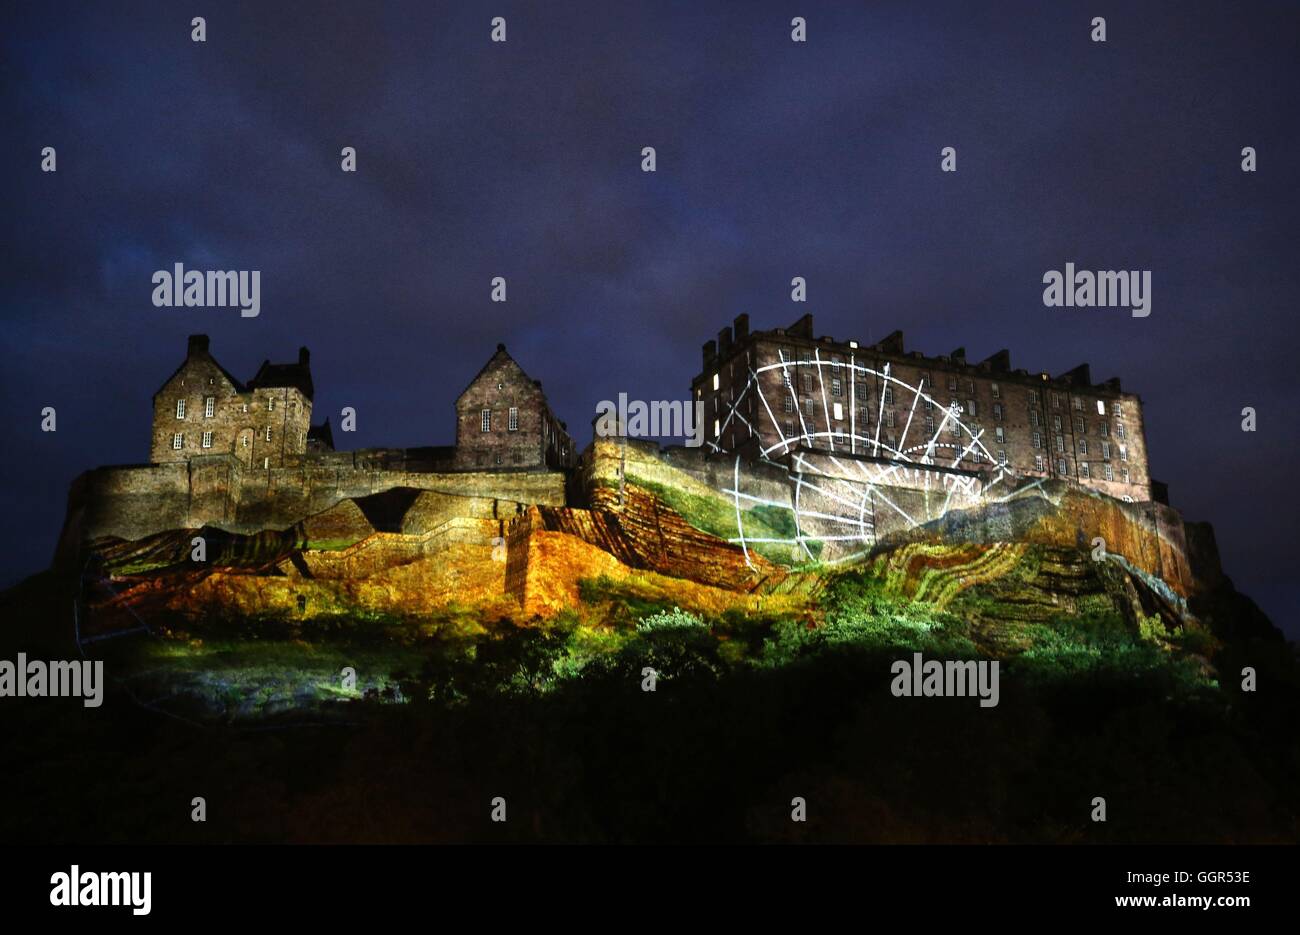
(131,502)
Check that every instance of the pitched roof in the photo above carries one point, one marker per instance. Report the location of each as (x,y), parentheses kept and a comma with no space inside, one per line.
(500,354)
(198,347)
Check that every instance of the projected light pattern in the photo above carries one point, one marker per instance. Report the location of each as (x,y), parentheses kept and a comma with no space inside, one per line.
(843,479)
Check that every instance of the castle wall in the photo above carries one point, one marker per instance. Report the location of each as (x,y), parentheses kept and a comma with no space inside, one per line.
(131,502)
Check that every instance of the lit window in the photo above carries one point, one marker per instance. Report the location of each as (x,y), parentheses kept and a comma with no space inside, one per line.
(839,411)
(268,433)
(486,420)
(997,391)
(209,407)
(715,381)
(717,428)
(180,409)
(207,439)
(513,420)
(1101,408)
(1123,452)
(246,441)
(178,440)
(1000,435)
(270,404)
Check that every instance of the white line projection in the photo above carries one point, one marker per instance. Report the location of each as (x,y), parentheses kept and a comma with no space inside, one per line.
(840,480)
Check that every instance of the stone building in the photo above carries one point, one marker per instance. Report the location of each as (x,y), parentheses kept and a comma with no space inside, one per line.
(504,422)
(203,410)
(784,390)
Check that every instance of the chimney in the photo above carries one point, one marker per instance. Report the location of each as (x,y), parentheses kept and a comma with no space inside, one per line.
(710,353)
(724,341)
(198,343)
(304,357)
(741,327)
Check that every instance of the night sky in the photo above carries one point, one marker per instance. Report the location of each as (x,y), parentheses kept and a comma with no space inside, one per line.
(775,159)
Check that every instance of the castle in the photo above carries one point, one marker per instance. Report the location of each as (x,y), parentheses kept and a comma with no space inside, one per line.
(785,394)
(818,448)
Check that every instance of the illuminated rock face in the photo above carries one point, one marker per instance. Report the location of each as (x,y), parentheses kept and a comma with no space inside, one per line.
(668,523)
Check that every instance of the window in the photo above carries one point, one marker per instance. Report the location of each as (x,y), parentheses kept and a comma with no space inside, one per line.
(209,407)
(1056,423)
(1123,452)
(839,411)
(270,404)
(1056,401)
(1078,403)
(970,387)
(266,463)
(1002,456)
(1038,462)
(972,409)
(1083,469)
(1119,429)
(788,405)
(1000,435)
(805,380)
(1119,410)
(268,433)
(837,388)
(863,416)
(997,391)
(1061,467)
(485,420)
(889,418)
(1123,473)
(1083,447)
(789,429)
(889,396)
(1060,443)
(1105,450)
(1038,442)
(207,439)
(1080,427)
(1110,474)
(246,407)
(1103,428)
(715,382)
(1101,408)
(1033,417)
(246,437)
(717,428)
(808,407)
(498,459)
(929,403)
(178,440)
(952,383)
(863,390)
(180,409)
(512,423)
(997,411)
